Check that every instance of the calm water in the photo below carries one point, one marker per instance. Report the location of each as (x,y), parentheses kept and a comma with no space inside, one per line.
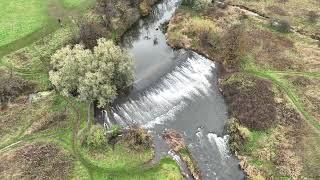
(176,90)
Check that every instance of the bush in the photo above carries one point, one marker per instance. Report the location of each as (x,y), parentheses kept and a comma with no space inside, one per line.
(114,132)
(95,138)
(239,135)
(201,4)
(197,4)
(138,139)
(188,3)
(144,8)
(313,16)
(205,30)
(11,86)
(281,25)
(233,46)
(89,31)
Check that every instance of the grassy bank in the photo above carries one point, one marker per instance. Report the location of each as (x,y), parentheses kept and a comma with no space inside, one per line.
(269,82)
(42,136)
(52,128)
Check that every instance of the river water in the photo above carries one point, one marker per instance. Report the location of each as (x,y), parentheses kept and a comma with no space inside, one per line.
(176,89)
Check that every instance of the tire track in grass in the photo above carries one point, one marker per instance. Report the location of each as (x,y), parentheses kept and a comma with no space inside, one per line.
(274,77)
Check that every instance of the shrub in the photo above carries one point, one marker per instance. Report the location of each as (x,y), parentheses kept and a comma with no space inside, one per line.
(89,32)
(239,135)
(11,86)
(95,138)
(201,4)
(205,30)
(188,3)
(312,16)
(208,38)
(221,5)
(197,4)
(281,25)
(138,139)
(144,8)
(134,3)
(233,46)
(115,130)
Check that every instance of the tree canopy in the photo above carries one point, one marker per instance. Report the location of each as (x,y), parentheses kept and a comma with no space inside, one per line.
(96,75)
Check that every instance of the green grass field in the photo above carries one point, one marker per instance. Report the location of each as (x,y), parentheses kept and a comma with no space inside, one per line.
(19,18)
(73,3)
(24,22)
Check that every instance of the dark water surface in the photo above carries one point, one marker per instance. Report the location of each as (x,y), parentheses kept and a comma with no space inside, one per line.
(176,90)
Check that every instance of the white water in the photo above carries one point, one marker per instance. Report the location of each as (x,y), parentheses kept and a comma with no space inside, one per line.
(170,95)
(214,141)
(221,143)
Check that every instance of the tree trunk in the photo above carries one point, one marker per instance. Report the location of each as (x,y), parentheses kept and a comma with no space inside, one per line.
(89,115)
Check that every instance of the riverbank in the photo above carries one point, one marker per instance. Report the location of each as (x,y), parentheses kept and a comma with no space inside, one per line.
(273,124)
(42,136)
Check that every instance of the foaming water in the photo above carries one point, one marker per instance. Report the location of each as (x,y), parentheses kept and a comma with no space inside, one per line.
(221,143)
(176,90)
(171,94)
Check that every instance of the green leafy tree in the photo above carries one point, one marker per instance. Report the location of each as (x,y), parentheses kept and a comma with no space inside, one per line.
(92,76)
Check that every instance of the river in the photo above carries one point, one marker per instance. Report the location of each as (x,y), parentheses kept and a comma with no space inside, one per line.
(176,89)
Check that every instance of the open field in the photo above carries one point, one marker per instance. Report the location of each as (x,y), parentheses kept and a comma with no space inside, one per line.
(20,18)
(24,22)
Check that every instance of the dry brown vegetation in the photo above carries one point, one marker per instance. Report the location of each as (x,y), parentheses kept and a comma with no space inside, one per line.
(308,89)
(137,139)
(25,118)
(218,35)
(12,86)
(251,101)
(35,161)
(271,136)
(111,18)
(296,12)
(174,139)
(50,120)
(236,36)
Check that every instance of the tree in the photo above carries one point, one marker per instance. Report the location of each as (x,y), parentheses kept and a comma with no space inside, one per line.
(92,76)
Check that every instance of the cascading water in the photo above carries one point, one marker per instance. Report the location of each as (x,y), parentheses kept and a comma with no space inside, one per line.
(160,103)
(176,90)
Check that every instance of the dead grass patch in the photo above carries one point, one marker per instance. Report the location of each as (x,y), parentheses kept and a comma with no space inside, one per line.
(251,100)
(35,161)
(272,51)
(25,118)
(276,10)
(308,90)
(294,11)
(50,120)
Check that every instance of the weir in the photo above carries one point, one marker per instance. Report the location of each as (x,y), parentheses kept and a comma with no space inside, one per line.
(176,89)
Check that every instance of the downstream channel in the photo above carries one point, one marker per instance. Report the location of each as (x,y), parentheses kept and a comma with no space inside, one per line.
(176,89)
